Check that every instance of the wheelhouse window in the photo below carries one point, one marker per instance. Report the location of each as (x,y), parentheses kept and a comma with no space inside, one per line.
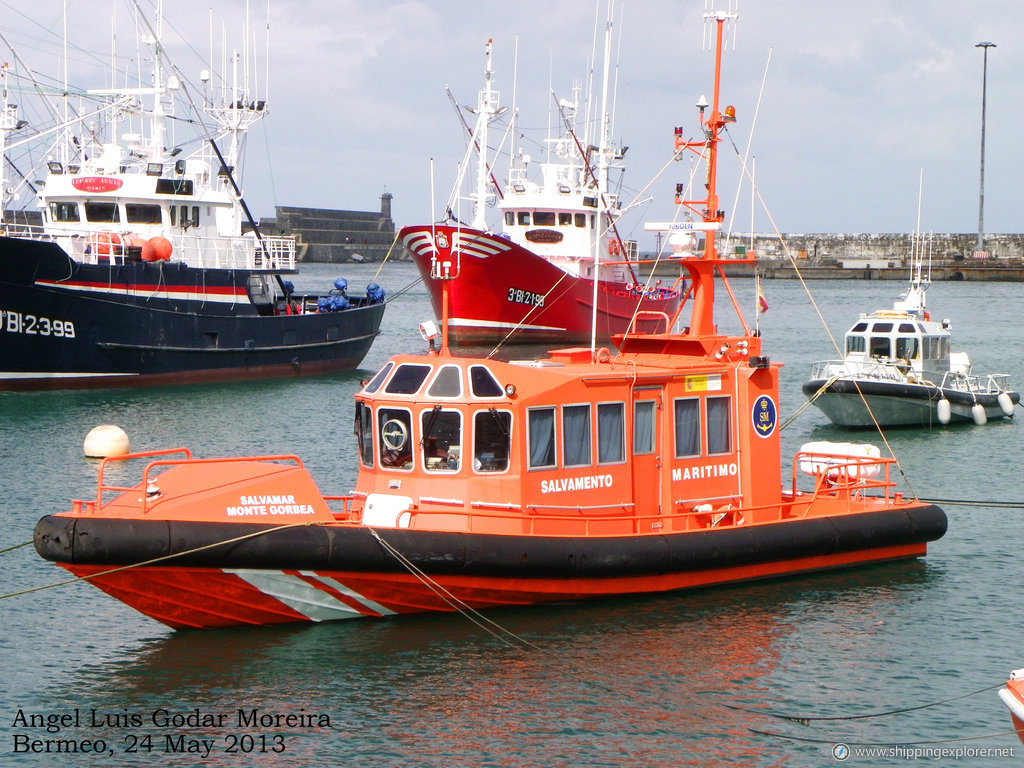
(136,213)
(719,425)
(687,427)
(576,435)
(483,383)
(510,218)
(544,218)
(407,379)
(442,439)
(64,212)
(364,433)
(394,426)
(540,435)
(880,346)
(524,218)
(580,220)
(565,219)
(855,344)
(643,426)
(492,440)
(611,434)
(447,383)
(906,348)
(102,212)
(377,380)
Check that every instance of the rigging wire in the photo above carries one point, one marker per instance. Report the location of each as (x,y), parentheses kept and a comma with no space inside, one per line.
(817,309)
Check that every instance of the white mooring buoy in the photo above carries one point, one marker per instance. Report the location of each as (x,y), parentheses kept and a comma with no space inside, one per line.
(104,441)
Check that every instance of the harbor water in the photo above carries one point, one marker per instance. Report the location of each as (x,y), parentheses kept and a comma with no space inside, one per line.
(685,679)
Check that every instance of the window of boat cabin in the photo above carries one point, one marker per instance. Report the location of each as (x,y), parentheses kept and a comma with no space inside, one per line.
(611,433)
(540,436)
(447,382)
(408,379)
(580,220)
(492,440)
(482,382)
(524,218)
(64,212)
(394,426)
(643,426)
(442,439)
(576,436)
(101,212)
(136,213)
(510,218)
(719,425)
(565,219)
(364,433)
(855,344)
(906,347)
(687,427)
(880,346)
(544,218)
(377,380)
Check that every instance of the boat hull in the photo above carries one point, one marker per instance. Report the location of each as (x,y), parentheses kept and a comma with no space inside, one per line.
(68,325)
(1013,697)
(896,404)
(322,572)
(504,292)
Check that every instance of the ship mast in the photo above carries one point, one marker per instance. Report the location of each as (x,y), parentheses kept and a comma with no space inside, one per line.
(702,269)
(602,176)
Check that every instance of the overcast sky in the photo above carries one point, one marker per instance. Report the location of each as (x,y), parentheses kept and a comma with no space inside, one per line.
(859,99)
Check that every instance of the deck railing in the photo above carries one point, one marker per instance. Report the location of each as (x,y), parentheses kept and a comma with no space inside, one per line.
(270,253)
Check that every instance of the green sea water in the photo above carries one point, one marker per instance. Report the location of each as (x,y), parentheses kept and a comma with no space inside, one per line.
(691,678)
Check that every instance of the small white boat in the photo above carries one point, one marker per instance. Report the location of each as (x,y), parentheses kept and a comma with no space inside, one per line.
(899,371)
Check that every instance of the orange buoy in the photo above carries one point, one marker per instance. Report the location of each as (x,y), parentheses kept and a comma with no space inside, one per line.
(143,245)
(107,242)
(162,248)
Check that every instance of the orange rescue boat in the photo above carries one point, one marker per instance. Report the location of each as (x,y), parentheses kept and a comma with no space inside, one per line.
(483,483)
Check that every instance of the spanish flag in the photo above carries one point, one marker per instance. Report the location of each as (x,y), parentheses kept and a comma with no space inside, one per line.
(762,305)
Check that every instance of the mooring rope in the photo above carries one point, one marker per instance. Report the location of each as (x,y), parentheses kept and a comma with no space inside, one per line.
(805,719)
(890,744)
(16,546)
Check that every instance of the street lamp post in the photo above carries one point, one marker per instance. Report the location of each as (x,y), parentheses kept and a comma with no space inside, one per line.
(981,185)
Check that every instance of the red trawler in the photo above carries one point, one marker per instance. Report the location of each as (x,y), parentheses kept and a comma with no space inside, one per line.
(482,483)
(557,269)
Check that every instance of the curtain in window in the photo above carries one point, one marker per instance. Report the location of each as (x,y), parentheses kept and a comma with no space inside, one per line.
(643,426)
(610,446)
(719,425)
(576,435)
(542,438)
(687,414)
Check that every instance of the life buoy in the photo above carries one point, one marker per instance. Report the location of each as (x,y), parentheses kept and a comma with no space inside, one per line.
(105,242)
(613,248)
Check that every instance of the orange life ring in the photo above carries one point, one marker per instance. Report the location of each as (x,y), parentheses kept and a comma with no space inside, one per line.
(613,248)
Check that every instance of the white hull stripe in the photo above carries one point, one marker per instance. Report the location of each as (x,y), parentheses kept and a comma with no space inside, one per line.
(314,603)
(220,298)
(56,375)
(463,322)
